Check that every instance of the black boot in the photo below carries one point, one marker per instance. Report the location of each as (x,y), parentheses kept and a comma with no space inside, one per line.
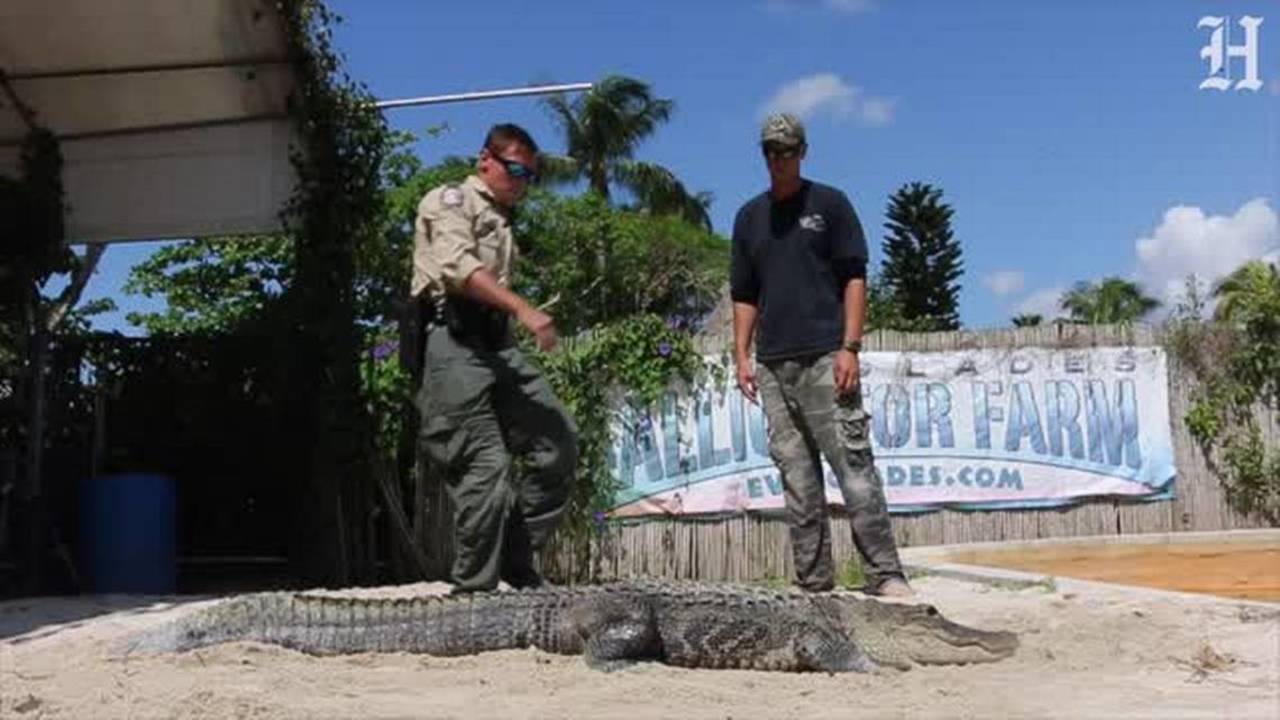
(517,558)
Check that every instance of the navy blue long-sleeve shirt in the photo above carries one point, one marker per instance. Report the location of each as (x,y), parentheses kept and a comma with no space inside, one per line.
(792,259)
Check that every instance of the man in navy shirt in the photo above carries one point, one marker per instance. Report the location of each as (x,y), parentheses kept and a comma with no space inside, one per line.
(798,282)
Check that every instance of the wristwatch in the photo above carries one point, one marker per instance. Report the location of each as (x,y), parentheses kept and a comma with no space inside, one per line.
(853,346)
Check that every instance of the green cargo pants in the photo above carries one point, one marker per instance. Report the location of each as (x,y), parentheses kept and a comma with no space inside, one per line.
(479,407)
(808,421)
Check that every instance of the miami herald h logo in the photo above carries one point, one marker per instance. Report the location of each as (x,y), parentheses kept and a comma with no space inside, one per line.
(1219,52)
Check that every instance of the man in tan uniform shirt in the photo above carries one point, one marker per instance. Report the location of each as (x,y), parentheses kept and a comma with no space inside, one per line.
(481,401)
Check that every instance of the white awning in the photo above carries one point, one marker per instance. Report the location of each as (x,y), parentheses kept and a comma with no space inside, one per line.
(171,113)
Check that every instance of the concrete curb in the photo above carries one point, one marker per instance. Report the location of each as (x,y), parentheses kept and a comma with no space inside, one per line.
(995,577)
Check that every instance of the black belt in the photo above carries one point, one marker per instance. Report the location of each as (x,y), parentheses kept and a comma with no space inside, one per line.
(469,320)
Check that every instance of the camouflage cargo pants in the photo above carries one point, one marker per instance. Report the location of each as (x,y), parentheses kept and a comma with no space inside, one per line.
(808,421)
(479,408)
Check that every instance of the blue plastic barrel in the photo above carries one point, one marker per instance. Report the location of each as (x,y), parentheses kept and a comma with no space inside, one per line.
(127,533)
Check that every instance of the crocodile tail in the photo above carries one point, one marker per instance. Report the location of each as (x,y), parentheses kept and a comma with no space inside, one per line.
(325,625)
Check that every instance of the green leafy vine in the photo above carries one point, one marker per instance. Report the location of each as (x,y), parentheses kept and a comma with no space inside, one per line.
(1237,364)
(635,361)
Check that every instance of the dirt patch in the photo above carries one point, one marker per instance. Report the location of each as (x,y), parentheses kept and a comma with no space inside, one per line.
(1238,570)
(1098,652)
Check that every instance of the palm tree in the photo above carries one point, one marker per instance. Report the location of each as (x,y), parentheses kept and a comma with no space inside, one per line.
(602,129)
(1111,300)
(1250,293)
(1027,320)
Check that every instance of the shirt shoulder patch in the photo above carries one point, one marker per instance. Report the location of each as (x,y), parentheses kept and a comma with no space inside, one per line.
(451,196)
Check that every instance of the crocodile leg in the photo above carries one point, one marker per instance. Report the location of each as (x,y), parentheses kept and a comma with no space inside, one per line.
(620,644)
(827,651)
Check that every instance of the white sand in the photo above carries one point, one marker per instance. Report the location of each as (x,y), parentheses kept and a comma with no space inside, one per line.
(1086,652)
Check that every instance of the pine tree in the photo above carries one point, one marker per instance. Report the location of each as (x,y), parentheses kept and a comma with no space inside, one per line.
(922,260)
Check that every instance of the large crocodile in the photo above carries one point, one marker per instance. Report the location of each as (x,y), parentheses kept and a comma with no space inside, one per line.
(686,624)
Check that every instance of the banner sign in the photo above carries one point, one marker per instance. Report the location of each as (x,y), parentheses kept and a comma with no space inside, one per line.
(980,429)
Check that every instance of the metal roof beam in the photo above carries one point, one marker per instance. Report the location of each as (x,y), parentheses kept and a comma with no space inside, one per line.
(482,95)
(142,69)
(146,129)
(25,112)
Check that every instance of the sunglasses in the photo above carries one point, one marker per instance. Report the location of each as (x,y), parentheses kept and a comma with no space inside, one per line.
(781,152)
(519,171)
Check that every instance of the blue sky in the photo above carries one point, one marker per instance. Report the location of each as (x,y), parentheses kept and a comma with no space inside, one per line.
(1070,138)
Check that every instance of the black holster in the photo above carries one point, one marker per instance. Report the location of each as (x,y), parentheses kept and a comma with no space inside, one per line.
(474,324)
(415,317)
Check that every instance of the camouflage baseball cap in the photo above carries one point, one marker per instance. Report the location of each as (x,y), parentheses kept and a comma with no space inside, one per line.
(783,129)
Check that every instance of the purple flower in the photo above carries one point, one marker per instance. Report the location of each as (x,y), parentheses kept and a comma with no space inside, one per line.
(385,350)
(664,349)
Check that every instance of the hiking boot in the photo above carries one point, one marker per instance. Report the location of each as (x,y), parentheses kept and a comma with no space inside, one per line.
(817,587)
(525,577)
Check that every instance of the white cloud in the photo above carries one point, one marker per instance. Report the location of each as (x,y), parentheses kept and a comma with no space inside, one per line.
(826,92)
(877,112)
(807,95)
(1004,282)
(1045,303)
(1188,241)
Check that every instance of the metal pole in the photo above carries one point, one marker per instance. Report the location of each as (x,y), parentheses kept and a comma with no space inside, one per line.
(483,95)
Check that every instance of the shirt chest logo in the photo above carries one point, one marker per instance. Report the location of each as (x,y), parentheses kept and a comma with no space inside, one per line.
(814,222)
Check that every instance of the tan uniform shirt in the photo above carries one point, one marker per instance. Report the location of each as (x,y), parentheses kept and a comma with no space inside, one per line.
(460,229)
